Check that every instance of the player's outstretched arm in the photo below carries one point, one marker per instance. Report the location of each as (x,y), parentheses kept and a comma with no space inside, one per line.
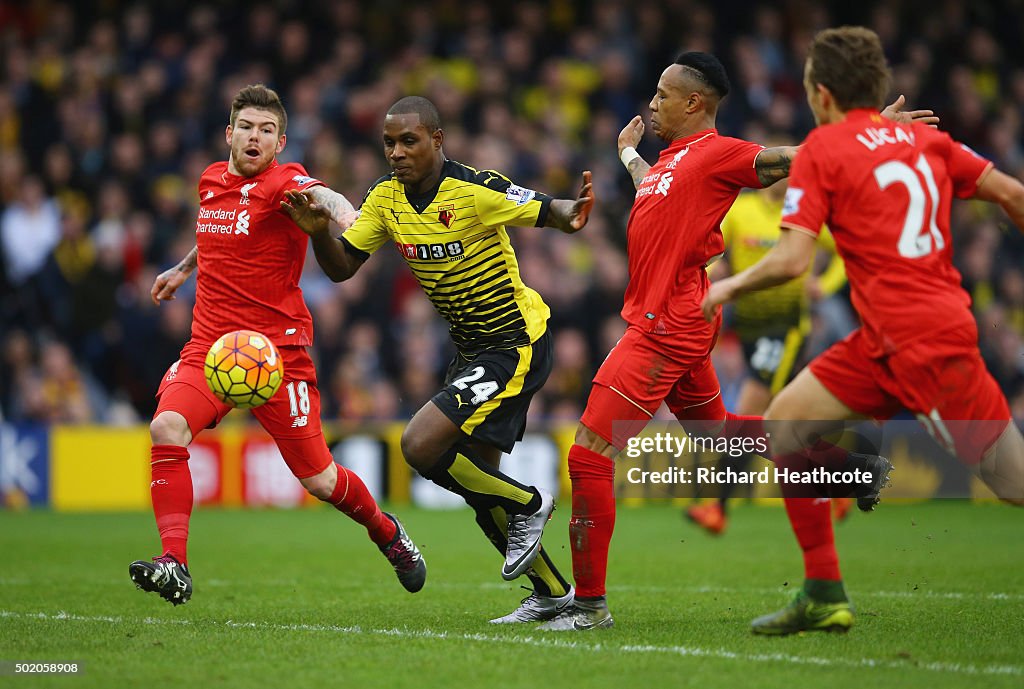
(772,164)
(314,219)
(337,206)
(168,282)
(571,216)
(895,112)
(1008,192)
(786,260)
(629,137)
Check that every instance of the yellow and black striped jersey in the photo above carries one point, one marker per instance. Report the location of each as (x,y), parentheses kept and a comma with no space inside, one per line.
(751,229)
(454,240)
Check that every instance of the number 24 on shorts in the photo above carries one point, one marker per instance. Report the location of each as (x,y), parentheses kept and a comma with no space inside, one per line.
(481,391)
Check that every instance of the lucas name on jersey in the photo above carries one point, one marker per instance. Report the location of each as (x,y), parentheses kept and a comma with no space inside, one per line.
(874,137)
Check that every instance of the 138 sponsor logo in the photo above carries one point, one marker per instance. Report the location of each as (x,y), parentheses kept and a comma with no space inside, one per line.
(448,251)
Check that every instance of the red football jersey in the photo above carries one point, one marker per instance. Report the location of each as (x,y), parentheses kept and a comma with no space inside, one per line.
(674,228)
(885,191)
(250,257)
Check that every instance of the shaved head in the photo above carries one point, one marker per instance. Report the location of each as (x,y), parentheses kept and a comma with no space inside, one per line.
(418,105)
(707,70)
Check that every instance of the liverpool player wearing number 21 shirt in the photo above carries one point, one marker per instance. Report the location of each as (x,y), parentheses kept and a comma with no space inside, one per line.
(885,191)
(250,256)
(665,354)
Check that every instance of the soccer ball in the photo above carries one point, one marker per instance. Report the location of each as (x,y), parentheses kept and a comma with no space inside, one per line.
(243,369)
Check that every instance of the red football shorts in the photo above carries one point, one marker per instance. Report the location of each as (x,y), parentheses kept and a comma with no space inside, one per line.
(940,378)
(292,420)
(640,373)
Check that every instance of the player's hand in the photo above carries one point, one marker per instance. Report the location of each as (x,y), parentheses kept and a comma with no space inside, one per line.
(311,217)
(580,212)
(894,111)
(631,133)
(719,293)
(166,284)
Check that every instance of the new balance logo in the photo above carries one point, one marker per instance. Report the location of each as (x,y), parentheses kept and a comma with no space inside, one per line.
(300,422)
(246,188)
(242,226)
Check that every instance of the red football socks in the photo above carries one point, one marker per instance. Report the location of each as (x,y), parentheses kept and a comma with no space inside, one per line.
(171,491)
(593,519)
(740,426)
(353,498)
(811,519)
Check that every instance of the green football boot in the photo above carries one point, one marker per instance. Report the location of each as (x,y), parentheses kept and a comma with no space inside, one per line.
(805,614)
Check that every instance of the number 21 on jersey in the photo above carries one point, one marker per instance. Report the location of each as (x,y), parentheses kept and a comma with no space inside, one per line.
(916,240)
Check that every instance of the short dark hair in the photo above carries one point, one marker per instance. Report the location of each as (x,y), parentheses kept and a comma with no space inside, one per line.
(708,70)
(262,98)
(418,105)
(850,62)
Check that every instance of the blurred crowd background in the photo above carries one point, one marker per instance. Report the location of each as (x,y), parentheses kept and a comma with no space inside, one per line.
(109,112)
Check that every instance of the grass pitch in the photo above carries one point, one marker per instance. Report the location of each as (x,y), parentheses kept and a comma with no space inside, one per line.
(303,599)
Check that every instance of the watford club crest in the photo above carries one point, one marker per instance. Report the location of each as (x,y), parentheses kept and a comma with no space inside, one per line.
(446,215)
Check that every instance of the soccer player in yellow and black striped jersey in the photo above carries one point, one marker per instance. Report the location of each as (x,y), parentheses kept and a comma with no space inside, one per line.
(448,221)
(772,325)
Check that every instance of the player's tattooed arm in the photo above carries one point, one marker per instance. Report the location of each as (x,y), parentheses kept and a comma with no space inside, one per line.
(772,164)
(638,169)
(338,207)
(571,216)
(188,264)
(629,138)
(168,282)
(314,218)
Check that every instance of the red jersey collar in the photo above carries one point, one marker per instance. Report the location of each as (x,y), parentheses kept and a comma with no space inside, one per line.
(867,113)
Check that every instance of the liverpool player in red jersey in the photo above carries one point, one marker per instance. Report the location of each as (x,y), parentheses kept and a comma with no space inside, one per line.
(885,191)
(250,256)
(665,354)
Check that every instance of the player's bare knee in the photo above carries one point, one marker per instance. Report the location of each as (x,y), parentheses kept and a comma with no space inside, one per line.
(1006,480)
(169,428)
(1002,466)
(322,485)
(590,440)
(419,453)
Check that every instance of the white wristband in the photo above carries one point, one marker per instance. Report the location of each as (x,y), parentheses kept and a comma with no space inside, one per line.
(628,155)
